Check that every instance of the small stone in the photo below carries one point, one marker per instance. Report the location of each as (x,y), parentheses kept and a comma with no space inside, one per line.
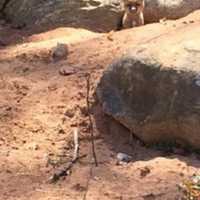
(122,157)
(60,52)
(66,71)
(144,171)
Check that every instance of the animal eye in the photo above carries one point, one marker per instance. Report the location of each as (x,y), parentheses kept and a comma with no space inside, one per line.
(129,6)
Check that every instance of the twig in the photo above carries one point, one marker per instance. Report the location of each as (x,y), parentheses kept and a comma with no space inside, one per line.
(91,127)
(91,130)
(76,146)
(64,171)
(88,183)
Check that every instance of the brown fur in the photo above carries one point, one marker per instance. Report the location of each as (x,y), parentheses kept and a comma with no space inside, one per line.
(133,13)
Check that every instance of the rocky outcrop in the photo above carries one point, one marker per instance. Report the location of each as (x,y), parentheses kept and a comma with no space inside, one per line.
(98,15)
(154,90)
(158,9)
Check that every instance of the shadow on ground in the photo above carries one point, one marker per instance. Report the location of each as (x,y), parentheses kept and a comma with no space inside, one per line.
(119,139)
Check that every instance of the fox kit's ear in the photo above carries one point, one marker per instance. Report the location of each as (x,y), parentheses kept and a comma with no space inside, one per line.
(143,3)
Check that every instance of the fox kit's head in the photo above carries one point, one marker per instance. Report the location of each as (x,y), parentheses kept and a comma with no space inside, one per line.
(133,6)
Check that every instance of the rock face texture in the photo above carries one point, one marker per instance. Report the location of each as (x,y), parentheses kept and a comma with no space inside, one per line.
(2,4)
(154,90)
(170,9)
(98,15)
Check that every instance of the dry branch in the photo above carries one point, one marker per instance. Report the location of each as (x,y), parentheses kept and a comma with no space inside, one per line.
(65,170)
(91,127)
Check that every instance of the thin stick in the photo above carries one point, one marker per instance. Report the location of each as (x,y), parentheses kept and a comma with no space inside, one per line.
(76,146)
(64,171)
(91,127)
(88,183)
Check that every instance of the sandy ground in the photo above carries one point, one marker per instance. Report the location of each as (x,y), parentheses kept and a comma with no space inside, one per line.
(39,109)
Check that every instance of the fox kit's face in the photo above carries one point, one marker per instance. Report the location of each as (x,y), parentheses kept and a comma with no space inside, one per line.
(133,6)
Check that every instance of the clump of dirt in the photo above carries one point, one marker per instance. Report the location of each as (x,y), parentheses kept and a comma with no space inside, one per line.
(39,107)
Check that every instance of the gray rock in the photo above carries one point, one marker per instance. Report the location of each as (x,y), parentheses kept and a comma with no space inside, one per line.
(60,52)
(154,89)
(122,157)
(98,15)
(170,9)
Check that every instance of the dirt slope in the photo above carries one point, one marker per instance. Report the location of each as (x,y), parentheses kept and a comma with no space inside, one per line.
(39,108)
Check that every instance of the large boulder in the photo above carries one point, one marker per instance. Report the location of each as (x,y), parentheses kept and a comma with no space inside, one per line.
(170,9)
(154,89)
(98,15)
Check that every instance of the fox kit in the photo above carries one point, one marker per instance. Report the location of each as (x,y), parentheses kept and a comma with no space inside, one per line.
(132,13)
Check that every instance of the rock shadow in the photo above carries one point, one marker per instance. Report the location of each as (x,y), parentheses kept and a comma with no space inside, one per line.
(120,139)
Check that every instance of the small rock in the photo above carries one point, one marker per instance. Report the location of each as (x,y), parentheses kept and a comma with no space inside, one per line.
(66,71)
(144,171)
(60,52)
(122,157)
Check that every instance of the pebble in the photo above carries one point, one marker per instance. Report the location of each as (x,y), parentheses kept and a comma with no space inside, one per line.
(122,157)
(60,52)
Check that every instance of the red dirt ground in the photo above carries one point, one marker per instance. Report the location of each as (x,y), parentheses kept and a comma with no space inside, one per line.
(39,109)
